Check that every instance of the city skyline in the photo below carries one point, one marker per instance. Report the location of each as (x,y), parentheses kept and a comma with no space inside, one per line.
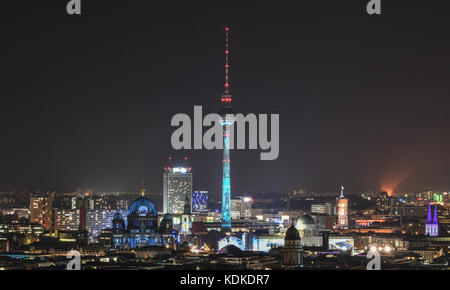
(248,137)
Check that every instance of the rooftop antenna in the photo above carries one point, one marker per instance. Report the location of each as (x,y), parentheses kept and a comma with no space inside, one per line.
(170,163)
(226,97)
(227,61)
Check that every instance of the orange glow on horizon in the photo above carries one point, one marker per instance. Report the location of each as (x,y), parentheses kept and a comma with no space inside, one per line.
(392,180)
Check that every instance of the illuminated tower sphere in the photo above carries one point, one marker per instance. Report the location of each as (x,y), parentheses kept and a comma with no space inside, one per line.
(226,122)
(293,249)
(342,211)
(432,226)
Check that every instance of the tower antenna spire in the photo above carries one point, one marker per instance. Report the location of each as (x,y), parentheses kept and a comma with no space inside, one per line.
(227,60)
(226,111)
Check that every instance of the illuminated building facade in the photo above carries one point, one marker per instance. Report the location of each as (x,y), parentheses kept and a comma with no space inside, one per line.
(177,184)
(99,219)
(387,204)
(232,240)
(11,224)
(241,208)
(432,226)
(264,243)
(142,229)
(235,210)
(41,211)
(438,197)
(66,220)
(342,211)
(324,208)
(199,201)
(226,111)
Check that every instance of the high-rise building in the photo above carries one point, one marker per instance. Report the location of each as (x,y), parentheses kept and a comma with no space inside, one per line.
(41,211)
(199,201)
(227,122)
(387,204)
(235,210)
(99,219)
(342,211)
(323,208)
(177,184)
(83,209)
(66,220)
(241,208)
(432,226)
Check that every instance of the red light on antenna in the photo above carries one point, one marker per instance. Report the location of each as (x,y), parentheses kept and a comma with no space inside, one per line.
(170,157)
(226,51)
(185,158)
(226,28)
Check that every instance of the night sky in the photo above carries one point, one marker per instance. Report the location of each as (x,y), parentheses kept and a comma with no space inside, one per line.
(364,101)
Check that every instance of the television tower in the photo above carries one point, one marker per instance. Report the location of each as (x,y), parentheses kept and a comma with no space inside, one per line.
(226,108)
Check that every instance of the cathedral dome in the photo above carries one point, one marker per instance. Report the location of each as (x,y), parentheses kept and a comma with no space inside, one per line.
(143,207)
(292,233)
(305,222)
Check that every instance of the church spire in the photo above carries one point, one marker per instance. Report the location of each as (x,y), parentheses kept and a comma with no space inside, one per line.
(143,190)
(187,205)
(429,213)
(435,219)
(342,192)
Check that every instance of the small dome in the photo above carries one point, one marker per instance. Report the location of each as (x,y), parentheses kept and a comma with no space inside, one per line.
(143,207)
(292,233)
